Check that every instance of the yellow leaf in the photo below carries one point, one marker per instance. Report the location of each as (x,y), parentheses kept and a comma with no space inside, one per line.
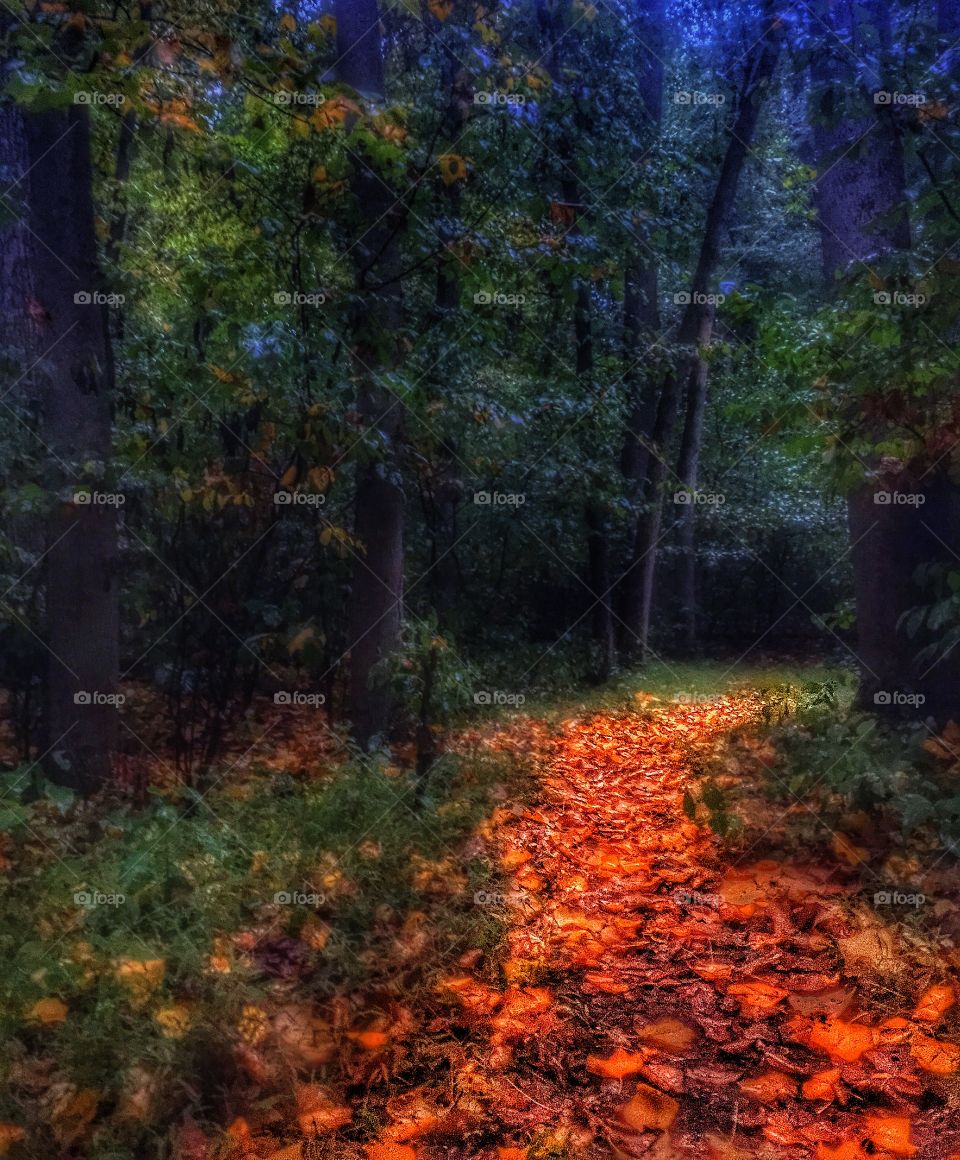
(288,22)
(252,1026)
(174,1022)
(453,168)
(140,977)
(48,1012)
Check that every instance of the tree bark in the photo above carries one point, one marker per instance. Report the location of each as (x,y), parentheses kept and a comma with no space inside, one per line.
(862,215)
(377,582)
(641,322)
(696,323)
(60,329)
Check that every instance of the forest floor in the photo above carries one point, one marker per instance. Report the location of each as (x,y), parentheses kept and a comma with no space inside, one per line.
(559,958)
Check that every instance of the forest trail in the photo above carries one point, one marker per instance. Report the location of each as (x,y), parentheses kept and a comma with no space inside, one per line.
(663,997)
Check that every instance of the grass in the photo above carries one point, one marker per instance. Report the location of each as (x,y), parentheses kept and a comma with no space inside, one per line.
(365,869)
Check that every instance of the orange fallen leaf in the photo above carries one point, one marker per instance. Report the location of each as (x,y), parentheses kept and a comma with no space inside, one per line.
(847,851)
(823,1085)
(757,999)
(49,1012)
(511,1154)
(620,1064)
(390,1152)
(847,1150)
(649,1108)
(891,1134)
(323,1118)
(834,1037)
(10,1134)
(668,1034)
(369,1040)
(935,1002)
(769,1087)
(140,977)
(174,1022)
(714,972)
(935,1056)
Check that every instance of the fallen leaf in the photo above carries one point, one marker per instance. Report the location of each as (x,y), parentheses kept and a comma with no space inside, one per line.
(824,1085)
(140,977)
(49,1012)
(757,999)
(770,1087)
(891,1134)
(174,1022)
(668,1034)
(10,1134)
(618,1065)
(649,1108)
(934,1003)
(390,1152)
(935,1056)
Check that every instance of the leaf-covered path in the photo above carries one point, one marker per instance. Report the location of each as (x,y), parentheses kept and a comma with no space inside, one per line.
(660,997)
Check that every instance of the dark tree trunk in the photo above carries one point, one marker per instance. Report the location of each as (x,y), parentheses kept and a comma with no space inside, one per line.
(862,214)
(641,322)
(688,468)
(551,18)
(696,323)
(446,484)
(53,318)
(377,584)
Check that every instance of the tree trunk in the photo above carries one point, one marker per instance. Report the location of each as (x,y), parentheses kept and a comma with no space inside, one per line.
(696,323)
(862,214)
(641,322)
(377,583)
(688,467)
(60,327)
